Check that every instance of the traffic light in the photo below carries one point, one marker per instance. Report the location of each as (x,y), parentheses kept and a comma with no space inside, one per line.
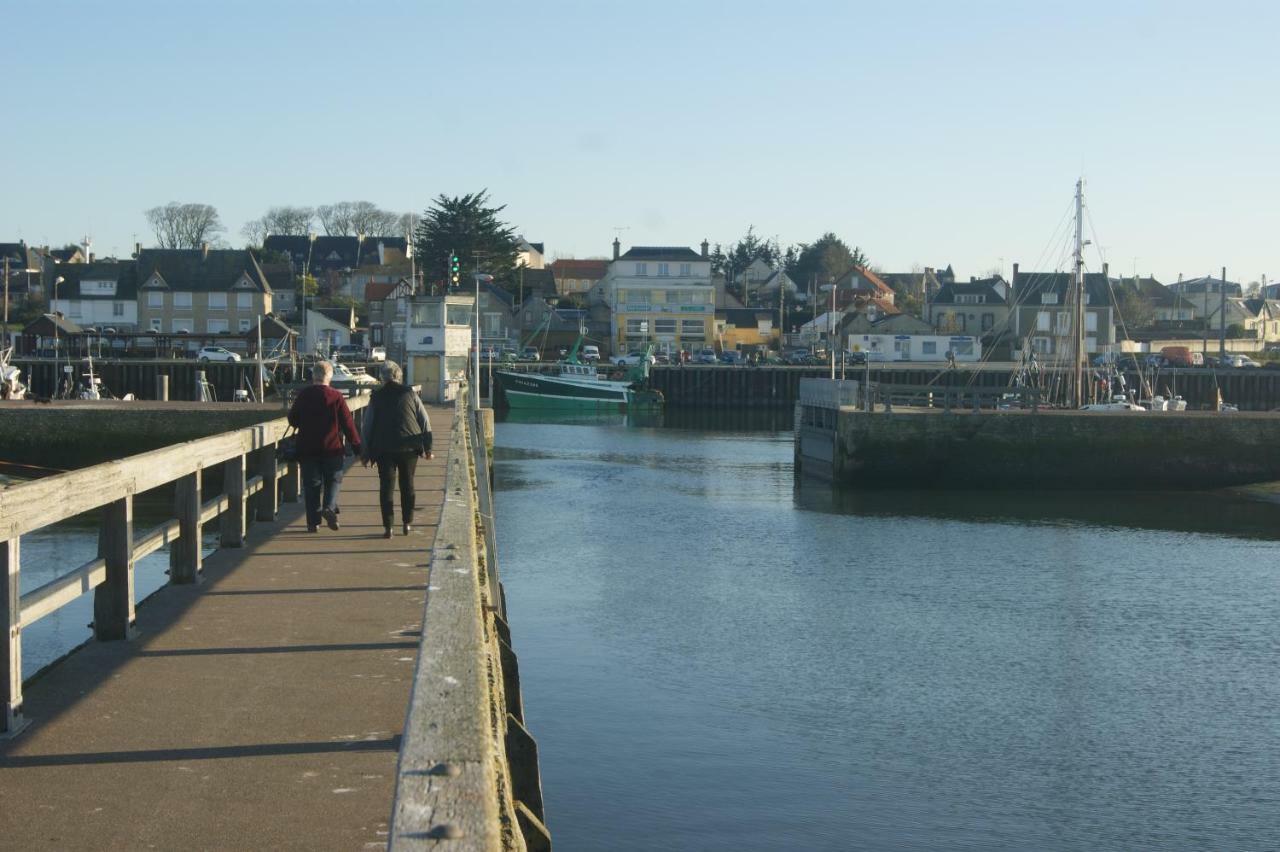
(454,269)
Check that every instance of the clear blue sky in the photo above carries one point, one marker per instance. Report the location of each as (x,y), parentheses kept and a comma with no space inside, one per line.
(925,132)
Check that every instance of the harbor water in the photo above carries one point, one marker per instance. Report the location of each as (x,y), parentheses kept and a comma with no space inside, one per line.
(713,657)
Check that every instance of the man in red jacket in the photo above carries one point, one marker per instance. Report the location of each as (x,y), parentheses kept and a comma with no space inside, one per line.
(321,416)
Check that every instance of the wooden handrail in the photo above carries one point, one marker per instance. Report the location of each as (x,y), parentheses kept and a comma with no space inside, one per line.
(111,487)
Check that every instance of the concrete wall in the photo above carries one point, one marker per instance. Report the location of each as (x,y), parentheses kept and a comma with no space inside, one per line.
(1055,449)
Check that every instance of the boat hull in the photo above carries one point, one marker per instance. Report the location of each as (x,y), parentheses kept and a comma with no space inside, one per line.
(538,391)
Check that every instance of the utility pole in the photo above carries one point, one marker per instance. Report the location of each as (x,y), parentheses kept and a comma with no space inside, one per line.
(1221,319)
(1078,337)
(6,305)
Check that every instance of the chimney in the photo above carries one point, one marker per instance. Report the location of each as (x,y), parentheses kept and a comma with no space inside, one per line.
(973,279)
(137,249)
(1104,269)
(91,257)
(705,246)
(204,251)
(617,248)
(1013,279)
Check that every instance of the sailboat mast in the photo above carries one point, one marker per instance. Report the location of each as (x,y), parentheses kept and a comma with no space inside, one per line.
(1078,285)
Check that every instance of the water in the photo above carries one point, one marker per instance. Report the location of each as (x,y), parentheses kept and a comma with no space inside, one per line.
(713,659)
(55,550)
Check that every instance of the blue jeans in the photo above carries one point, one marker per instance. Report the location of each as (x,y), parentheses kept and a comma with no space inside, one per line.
(321,477)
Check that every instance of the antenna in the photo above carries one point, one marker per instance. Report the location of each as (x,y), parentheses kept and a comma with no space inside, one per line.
(87,242)
(617,231)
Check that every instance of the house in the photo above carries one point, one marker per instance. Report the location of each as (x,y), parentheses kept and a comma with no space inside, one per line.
(530,255)
(575,277)
(325,329)
(979,306)
(882,323)
(48,335)
(737,328)
(662,295)
(1041,313)
(1200,288)
(918,347)
(499,324)
(923,285)
(437,342)
(388,311)
(861,284)
(535,284)
(1171,307)
(100,294)
(283,284)
(314,254)
(24,265)
(200,291)
(760,283)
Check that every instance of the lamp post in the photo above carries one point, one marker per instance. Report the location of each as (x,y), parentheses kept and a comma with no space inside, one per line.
(831,332)
(306,269)
(475,354)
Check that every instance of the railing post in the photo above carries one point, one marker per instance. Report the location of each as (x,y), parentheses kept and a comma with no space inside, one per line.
(268,502)
(291,480)
(113,600)
(185,555)
(11,720)
(233,520)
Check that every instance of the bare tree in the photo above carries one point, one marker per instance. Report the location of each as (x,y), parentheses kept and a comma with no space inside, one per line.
(184,226)
(349,218)
(288,221)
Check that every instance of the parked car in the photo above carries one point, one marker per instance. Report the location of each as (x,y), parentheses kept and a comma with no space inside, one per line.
(706,355)
(350,352)
(489,353)
(590,353)
(378,353)
(1239,361)
(732,357)
(530,353)
(798,357)
(635,356)
(216,353)
(1176,356)
(847,357)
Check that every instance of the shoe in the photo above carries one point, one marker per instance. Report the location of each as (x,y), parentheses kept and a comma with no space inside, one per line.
(408,528)
(337,510)
(386,532)
(330,518)
(312,529)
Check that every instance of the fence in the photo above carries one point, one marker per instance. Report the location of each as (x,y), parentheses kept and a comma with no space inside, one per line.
(254,483)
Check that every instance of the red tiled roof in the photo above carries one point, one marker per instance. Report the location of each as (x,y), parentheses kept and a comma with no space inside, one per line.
(376,292)
(592,269)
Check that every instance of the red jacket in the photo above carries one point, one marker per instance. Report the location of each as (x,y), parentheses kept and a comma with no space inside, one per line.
(321,416)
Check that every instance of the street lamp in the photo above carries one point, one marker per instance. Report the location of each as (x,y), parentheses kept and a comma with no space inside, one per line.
(306,269)
(475,356)
(831,332)
(53,314)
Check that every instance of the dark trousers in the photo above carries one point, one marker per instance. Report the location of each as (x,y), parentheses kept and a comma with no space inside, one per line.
(392,466)
(321,479)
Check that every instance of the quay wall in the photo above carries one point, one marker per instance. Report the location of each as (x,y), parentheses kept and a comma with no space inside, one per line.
(779,387)
(138,377)
(66,435)
(1038,450)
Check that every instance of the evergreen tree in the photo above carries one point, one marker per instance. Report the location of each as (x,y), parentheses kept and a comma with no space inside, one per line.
(828,259)
(466,226)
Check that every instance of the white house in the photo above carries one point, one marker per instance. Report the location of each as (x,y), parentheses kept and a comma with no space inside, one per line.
(100,294)
(325,329)
(437,343)
(660,294)
(917,347)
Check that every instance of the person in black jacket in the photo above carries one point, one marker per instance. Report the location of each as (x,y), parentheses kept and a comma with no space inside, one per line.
(397,433)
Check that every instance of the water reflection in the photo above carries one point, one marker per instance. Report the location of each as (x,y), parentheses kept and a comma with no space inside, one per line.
(731,420)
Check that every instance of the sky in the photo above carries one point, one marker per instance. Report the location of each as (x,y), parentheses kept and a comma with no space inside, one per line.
(927,133)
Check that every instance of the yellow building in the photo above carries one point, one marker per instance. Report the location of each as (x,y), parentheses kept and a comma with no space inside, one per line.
(661,295)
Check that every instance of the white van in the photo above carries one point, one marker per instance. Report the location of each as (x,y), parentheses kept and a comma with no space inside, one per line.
(590,353)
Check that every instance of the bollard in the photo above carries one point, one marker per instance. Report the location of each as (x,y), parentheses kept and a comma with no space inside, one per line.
(162,388)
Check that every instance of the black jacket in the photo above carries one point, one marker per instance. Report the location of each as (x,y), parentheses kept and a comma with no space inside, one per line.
(395,421)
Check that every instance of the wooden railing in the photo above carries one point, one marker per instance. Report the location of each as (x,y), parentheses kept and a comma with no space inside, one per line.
(254,483)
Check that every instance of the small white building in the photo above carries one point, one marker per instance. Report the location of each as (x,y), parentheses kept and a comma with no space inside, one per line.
(917,347)
(437,344)
(325,329)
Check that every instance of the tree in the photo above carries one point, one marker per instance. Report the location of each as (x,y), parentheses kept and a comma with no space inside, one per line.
(289,221)
(747,250)
(1135,309)
(827,258)
(351,218)
(184,226)
(468,227)
(1236,331)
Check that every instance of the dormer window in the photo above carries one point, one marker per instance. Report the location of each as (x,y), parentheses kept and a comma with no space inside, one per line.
(1048,298)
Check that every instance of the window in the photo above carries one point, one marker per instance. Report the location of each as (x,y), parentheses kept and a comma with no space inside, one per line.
(929,347)
(686,270)
(970,299)
(1048,298)
(155,299)
(642,269)
(962,347)
(1042,321)
(664,326)
(635,297)
(117,309)
(216,326)
(217,301)
(182,300)
(901,346)
(692,326)
(492,325)
(155,323)
(1063,322)
(244,301)
(1091,322)
(1042,345)
(458,314)
(637,326)
(427,315)
(244,325)
(988,322)
(663,270)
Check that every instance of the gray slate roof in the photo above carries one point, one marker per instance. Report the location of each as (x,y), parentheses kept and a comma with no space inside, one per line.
(192,269)
(124,273)
(676,253)
(331,253)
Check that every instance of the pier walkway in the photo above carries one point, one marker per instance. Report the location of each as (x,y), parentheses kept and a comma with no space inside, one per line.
(261,708)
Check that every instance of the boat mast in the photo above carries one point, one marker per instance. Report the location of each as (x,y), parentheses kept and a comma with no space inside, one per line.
(1078,338)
